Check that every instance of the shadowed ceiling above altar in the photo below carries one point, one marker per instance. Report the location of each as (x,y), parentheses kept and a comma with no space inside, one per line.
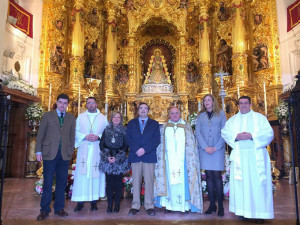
(162,52)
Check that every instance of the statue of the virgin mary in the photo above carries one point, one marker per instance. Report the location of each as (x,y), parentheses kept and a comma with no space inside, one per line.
(157,71)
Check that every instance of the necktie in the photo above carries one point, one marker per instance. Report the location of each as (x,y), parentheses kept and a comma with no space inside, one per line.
(61,119)
(143,121)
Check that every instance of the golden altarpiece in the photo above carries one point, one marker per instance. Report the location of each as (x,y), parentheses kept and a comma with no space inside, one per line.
(162,52)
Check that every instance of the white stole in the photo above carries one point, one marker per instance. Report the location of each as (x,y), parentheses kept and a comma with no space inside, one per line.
(83,128)
(175,150)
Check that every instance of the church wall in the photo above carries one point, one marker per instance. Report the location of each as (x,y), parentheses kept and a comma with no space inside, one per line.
(3,13)
(289,43)
(26,49)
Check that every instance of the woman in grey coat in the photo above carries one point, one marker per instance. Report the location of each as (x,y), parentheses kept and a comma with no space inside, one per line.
(114,161)
(211,147)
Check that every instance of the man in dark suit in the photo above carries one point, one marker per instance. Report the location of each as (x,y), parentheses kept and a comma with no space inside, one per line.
(143,137)
(55,146)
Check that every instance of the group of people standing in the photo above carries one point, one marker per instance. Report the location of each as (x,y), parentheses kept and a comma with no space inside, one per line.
(168,159)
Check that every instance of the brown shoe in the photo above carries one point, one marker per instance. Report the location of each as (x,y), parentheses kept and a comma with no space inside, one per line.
(42,216)
(61,213)
(132,212)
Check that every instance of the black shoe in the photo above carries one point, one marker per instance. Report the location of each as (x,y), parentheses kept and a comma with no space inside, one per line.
(109,208)
(78,207)
(61,213)
(166,211)
(132,212)
(117,207)
(151,212)
(42,216)
(220,211)
(94,206)
(210,210)
(241,218)
(259,221)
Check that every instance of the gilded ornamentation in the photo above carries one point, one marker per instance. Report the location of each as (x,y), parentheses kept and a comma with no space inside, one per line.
(57,61)
(188,33)
(192,72)
(156,3)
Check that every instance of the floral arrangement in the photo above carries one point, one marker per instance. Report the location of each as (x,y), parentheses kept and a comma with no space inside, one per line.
(39,186)
(281,111)
(192,119)
(127,184)
(70,182)
(13,82)
(127,188)
(290,86)
(34,112)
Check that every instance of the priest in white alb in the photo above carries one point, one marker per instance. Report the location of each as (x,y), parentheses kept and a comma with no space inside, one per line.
(177,185)
(89,182)
(248,133)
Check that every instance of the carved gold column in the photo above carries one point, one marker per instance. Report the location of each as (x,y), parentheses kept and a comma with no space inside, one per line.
(239,57)
(204,51)
(111,50)
(52,36)
(182,55)
(132,73)
(77,63)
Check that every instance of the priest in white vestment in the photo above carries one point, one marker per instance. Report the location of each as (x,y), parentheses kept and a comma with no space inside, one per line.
(177,185)
(89,182)
(248,133)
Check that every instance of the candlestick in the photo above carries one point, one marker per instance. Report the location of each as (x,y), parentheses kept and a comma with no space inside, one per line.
(50,92)
(238,91)
(79,101)
(265,99)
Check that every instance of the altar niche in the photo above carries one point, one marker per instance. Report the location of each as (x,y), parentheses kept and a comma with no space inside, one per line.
(158,66)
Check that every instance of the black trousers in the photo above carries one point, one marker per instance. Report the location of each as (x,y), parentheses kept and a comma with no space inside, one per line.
(214,186)
(114,184)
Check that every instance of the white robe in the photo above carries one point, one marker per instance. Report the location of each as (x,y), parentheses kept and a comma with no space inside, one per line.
(251,193)
(175,160)
(89,182)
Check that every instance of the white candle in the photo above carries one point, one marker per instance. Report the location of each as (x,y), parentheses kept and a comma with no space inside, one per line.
(238,91)
(122,108)
(106,109)
(79,101)
(199,105)
(50,92)
(265,99)
(125,109)
(106,98)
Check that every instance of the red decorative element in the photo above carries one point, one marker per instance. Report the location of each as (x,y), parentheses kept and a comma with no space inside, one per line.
(293,15)
(24,18)
(238,6)
(202,19)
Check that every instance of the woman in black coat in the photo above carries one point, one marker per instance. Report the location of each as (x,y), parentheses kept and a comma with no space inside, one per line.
(114,161)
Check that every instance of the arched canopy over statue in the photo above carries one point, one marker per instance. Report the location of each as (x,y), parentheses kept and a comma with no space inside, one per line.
(157,71)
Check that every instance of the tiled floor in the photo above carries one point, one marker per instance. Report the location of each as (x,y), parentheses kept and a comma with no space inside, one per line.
(21,207)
